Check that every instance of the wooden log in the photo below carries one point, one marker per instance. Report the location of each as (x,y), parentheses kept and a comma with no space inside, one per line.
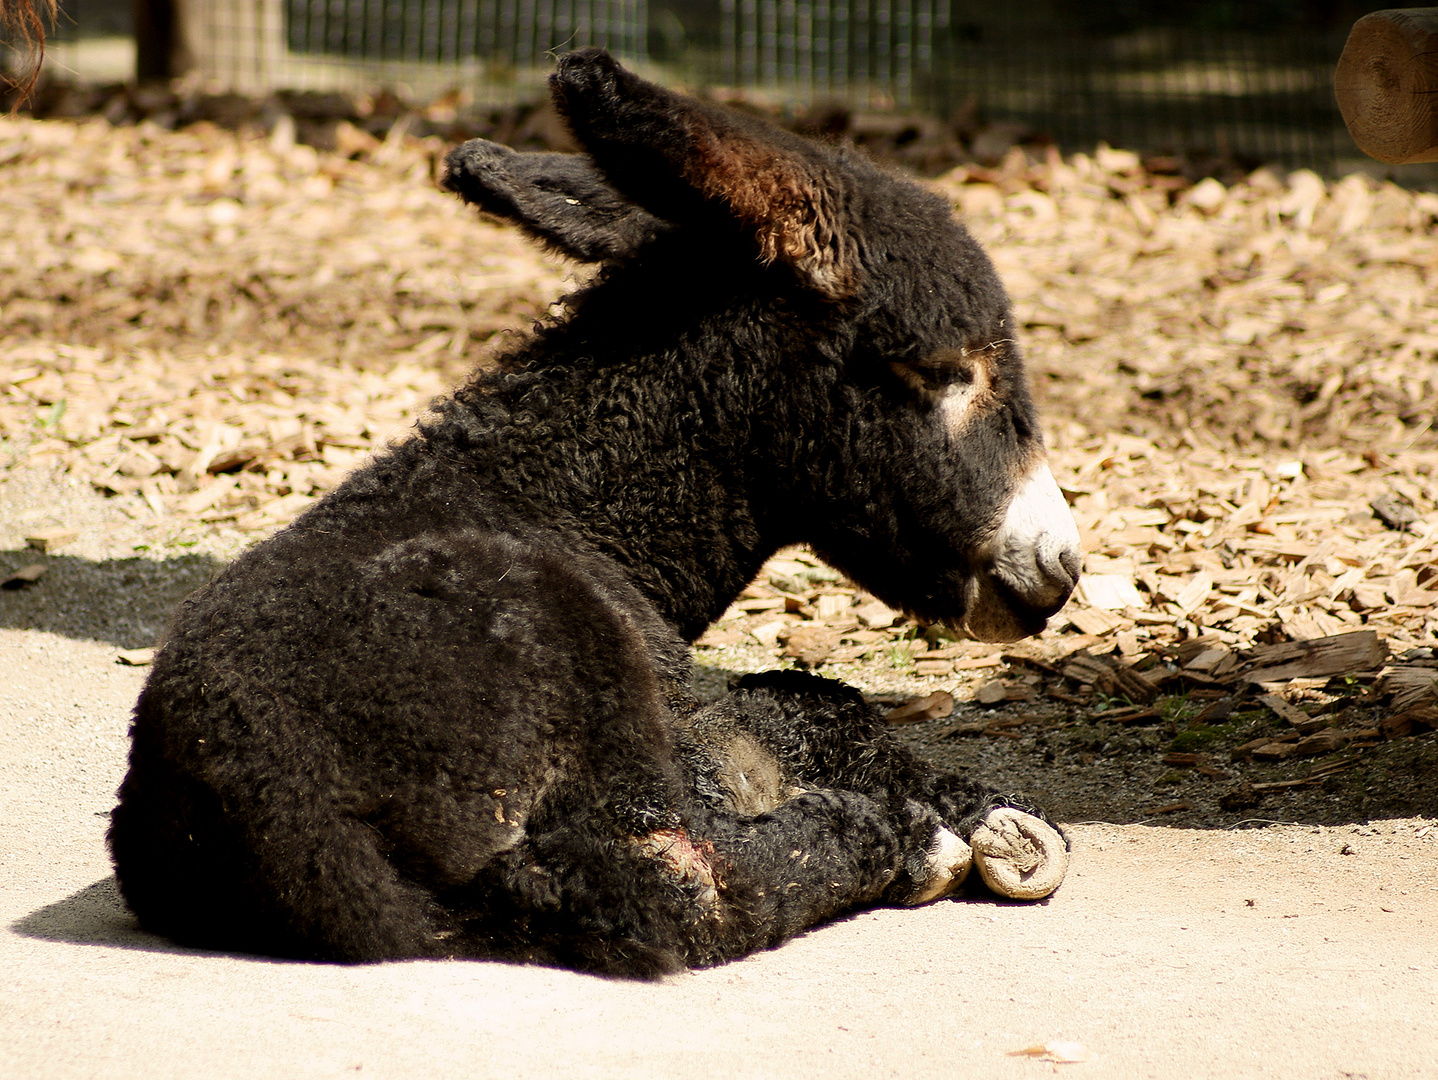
(1387,85)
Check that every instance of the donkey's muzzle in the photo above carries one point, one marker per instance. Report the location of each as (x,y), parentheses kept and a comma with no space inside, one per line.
(1030,568)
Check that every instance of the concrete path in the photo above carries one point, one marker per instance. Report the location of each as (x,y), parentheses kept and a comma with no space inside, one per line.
(1168,953)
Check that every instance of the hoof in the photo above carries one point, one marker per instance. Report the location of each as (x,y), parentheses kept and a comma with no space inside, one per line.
(945,866)
(1018,855)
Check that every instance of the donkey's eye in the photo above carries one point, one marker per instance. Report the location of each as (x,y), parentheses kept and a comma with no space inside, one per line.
(947,374)
(943,378)
(946,370)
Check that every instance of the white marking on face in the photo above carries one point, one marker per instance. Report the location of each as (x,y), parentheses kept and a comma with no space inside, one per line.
(958,401)
(1036,550)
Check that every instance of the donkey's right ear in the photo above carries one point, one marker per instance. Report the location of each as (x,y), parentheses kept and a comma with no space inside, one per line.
(561,200)
(684,160)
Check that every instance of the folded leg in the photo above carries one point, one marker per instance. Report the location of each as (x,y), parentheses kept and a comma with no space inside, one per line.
(783,732)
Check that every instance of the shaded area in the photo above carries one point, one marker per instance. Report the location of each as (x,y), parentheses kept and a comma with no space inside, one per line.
(96,915)
(125,602)
(1161,766)
(1089,768)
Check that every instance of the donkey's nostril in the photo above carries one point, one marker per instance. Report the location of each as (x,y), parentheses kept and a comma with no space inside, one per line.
(1058,569)
(1072,562)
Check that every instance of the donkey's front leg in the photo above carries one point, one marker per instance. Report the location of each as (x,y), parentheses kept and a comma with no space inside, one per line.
(707,885)
(784,731)
(820,854)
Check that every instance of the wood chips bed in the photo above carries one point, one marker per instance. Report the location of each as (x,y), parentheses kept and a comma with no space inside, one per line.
(1240,385)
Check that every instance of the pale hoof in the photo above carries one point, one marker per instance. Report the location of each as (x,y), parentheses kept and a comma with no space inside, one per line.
(1018,855)
(945,867)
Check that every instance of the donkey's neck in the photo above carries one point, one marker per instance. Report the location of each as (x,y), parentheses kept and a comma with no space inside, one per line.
(650,461)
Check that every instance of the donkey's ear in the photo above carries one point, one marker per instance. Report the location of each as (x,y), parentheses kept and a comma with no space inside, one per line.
(683,159)
(561,200)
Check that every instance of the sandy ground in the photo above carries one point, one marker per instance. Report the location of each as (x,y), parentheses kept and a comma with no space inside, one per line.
(1291,951)
(1286,950)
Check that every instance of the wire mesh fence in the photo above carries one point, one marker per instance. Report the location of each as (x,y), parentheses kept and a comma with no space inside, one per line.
(1258,89)
(1252,80)
(496,49)
(521,33)
(831,48)
(1254,94)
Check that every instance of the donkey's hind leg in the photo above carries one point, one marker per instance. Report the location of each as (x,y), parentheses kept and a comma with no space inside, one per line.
(785,731)
(306,882)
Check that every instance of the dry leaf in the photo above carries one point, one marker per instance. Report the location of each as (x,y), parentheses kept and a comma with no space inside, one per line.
(934,706)
(993,692)
(1321,742)
(26,575)
(1059,1052)
(877,615)
(1109,592)
(811,645)
(930,669)
(51,539)
(767,633)
(1275,751)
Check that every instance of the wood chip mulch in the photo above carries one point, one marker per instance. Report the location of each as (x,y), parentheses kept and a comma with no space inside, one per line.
(1240,384)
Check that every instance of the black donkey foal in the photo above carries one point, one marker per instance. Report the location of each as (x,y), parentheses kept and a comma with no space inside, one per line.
(446,712)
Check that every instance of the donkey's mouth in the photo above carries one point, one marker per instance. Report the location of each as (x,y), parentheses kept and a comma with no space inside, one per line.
(997,612)
(1030,567)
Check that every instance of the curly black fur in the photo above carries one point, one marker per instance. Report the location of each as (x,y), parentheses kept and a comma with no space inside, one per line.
(445,713)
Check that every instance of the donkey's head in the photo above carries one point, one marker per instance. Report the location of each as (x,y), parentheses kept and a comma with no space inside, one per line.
(887,397)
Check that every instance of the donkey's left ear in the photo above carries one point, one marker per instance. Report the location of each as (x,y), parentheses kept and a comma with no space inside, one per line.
(684,160)
(561,200)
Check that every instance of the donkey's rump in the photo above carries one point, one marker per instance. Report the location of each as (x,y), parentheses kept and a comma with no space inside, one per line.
(306,802)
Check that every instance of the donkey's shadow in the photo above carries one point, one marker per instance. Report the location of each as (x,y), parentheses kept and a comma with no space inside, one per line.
(96,915)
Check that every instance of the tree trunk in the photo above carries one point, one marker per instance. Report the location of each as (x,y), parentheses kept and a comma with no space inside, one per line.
(163,49)
(1387,85)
